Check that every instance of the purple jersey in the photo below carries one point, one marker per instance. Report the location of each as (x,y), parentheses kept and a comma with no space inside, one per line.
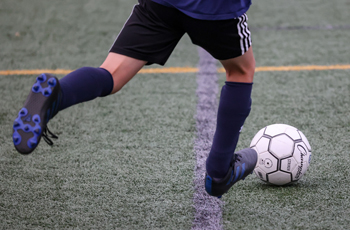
(209,9)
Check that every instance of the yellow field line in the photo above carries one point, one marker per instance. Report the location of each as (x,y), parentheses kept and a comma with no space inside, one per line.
(170,70)
(34,71)
(301,68)
(183,69)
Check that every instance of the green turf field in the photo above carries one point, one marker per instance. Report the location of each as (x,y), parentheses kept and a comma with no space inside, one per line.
(127,161)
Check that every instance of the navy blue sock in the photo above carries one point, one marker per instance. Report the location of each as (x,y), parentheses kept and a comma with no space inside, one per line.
(85,84)
(234,108)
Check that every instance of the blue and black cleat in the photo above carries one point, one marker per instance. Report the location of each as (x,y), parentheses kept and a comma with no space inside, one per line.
(41,105)
(242,164)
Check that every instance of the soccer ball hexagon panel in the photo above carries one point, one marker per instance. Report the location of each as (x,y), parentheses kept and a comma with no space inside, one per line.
(284,154)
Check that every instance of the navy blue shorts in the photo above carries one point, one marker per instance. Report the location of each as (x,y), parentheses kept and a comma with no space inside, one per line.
(152,32)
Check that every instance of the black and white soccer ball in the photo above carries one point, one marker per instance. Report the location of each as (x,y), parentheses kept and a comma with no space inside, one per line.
(284,154)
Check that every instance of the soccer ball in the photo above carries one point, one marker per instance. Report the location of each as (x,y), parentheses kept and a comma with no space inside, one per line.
(284,154)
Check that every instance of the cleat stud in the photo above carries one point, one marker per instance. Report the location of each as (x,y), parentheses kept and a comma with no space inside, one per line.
(16,138)
(16,124)
(47,92)
(52,82)
(26,128)
(23,112)
(36,88)
(37,131)
(32,143)
(36,118)
(41,78)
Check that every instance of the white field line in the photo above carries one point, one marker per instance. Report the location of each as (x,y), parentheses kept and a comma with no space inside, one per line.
(208,209)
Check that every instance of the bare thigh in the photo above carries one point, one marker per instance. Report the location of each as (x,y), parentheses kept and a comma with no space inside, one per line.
(240,69)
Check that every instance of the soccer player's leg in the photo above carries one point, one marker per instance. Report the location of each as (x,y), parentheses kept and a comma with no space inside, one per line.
(224,167)
(142,38)
(49,95)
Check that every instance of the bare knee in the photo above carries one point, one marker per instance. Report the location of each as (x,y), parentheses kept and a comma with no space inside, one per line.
(240,69)
(122,69)
(241,73)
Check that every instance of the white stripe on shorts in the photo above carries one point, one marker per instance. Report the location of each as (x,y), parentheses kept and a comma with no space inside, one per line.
(244,33)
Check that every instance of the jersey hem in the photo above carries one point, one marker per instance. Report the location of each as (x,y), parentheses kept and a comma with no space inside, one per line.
(203,16)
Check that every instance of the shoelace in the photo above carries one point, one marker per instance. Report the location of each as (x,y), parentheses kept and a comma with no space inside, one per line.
(47,135)
(237,157)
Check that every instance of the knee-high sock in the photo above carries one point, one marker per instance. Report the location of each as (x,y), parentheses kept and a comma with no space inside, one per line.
(85,84)
(234,108)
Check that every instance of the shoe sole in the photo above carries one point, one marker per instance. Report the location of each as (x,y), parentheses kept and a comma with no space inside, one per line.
(36,112)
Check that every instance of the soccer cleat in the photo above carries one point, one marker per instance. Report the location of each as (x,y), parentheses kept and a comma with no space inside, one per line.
(242,164)
(41,105)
